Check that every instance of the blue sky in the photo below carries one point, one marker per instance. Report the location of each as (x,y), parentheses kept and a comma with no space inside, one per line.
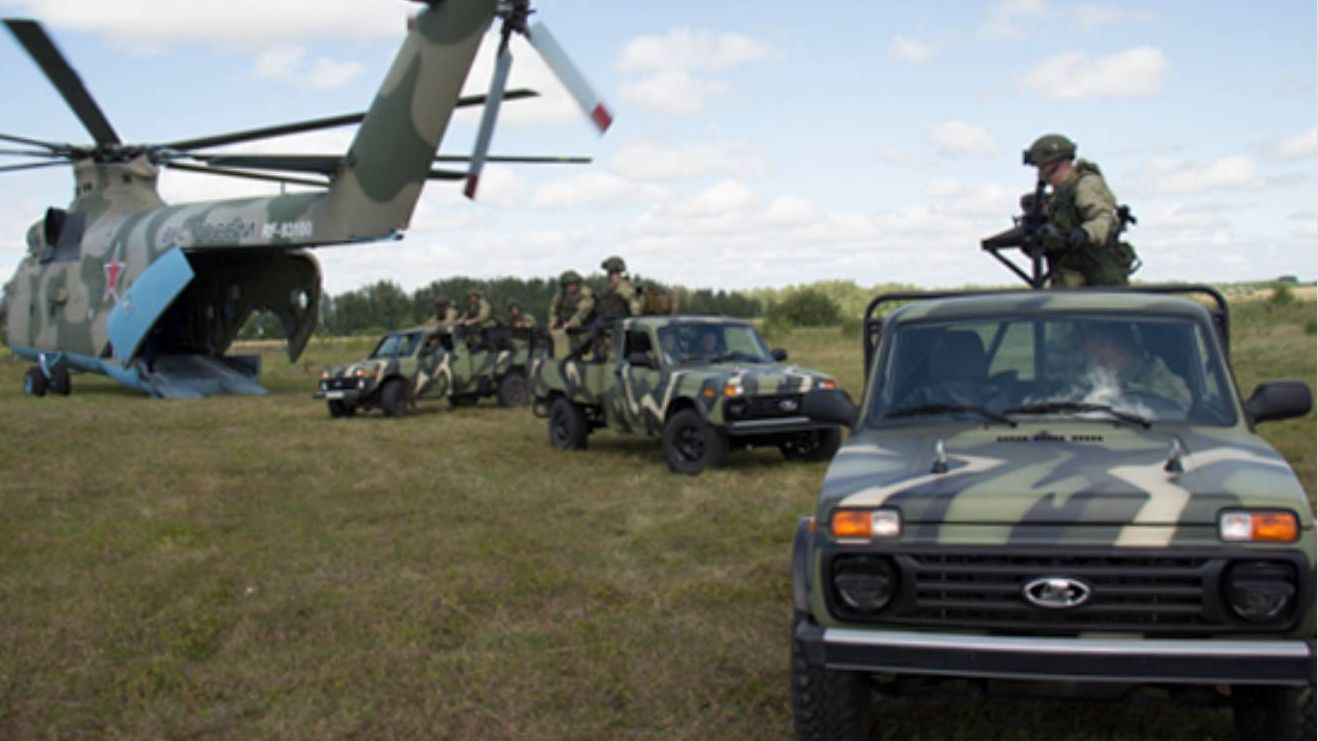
(756,143)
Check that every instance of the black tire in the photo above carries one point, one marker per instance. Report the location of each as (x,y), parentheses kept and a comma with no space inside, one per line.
(513,390)
(59,380)
(393,398)
(828,704)
(567,425)
(34,382)
(1274,713)
(339,408)
(817,445)
(691,445)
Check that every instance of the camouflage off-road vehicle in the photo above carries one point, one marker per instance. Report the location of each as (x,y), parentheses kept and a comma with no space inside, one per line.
(432,362)
(1064,488)
(701,384)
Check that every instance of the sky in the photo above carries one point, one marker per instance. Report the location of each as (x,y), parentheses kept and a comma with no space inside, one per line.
(755,143)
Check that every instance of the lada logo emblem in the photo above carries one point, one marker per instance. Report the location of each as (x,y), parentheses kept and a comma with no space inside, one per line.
(1057,592)
(787,405)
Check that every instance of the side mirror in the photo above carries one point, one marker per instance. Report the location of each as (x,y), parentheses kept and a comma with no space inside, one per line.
(779,354)
(833,406)
(1279,400)
(641,360)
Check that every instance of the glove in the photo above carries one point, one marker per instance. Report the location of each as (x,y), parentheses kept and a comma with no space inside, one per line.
(1052,238)
(1078,239)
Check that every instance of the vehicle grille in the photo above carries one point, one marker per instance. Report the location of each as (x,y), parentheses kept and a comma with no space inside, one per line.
(339,384)
(1147,592)
(771,405)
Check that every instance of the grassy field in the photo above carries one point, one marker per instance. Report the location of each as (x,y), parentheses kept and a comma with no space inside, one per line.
(246,567)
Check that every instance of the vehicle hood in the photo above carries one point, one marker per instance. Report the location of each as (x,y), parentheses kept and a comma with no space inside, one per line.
(350,369)
(1061,474)
(758,378)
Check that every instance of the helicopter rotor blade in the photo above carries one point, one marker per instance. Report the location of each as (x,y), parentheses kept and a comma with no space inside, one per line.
(32,165)
(58,149)
(502,64)
(315,124)
(48,57)
(545,160)
(567,73)
(30,153)
(248,175)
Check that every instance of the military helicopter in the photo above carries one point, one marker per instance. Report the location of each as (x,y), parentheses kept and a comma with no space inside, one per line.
(152,295)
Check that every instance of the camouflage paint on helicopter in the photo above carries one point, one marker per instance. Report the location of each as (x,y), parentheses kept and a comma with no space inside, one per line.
(98,289)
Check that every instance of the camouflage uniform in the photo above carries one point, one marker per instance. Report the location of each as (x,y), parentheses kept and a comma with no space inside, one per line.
(479,314)
(445,315)
(572,312)
(620,299)
(1083,201)
(1149,373)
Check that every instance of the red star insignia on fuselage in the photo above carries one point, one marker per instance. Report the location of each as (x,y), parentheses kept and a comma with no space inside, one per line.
(112,272)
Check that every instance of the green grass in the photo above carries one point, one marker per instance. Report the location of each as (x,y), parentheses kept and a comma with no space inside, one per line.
(247,567)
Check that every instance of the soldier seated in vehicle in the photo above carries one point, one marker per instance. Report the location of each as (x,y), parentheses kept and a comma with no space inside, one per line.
(1121,372)
(957,372)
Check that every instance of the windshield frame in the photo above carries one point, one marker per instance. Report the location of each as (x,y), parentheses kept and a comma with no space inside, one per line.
(413,337)
(671,359)
(1207,348)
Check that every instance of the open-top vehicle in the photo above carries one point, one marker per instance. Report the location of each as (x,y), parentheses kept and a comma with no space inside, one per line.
(433,362)
(702,384)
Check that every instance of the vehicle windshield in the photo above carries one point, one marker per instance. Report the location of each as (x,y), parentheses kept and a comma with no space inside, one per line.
(398,345)
(711,342)
(1111,367)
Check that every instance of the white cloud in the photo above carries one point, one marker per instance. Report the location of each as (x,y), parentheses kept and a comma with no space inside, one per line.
(236,22)
(677,68)
(1175,176)
(1298,147)
(1075,75)
(961,139)
(674,92)
(596,189)
(658,161)
(286,64)
(1016,19)
(911,50)
(690,50)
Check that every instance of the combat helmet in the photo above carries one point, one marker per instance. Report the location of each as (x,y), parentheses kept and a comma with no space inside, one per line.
(1049,148)
(568,277)
(614,264)
(443,300)
(513,303)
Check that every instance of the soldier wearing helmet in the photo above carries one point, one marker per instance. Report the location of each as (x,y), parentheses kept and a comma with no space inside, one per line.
(621,299)
(518,319)
(478,314)
(445,315)
(573,308)
(1083,218)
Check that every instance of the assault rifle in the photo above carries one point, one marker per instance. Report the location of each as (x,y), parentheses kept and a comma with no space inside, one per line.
(1031,236)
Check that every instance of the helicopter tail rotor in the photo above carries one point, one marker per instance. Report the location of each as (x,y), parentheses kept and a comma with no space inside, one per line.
(515,14)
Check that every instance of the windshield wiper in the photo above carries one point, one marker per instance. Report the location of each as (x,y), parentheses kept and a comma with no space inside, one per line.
(921,410)
(1079,407)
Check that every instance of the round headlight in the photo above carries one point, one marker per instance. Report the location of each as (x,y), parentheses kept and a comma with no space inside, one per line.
(1261,591)
(864,583)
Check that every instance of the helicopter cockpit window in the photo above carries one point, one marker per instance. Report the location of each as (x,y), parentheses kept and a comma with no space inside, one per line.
(63,232)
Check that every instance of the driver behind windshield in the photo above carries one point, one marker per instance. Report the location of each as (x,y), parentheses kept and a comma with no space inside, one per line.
(1118,363)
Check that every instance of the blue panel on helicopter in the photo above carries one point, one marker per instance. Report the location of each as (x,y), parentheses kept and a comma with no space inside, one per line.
(143,303)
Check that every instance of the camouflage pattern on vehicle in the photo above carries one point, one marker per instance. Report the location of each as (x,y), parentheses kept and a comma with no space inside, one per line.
(699,383)
(430,362)
(1010,506)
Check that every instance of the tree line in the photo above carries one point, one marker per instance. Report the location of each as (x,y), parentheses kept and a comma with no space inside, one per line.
(382,306)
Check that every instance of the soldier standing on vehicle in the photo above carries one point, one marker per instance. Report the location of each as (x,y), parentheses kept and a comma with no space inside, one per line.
(445,315)
(573,308)
(1083,218)
(621,299)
